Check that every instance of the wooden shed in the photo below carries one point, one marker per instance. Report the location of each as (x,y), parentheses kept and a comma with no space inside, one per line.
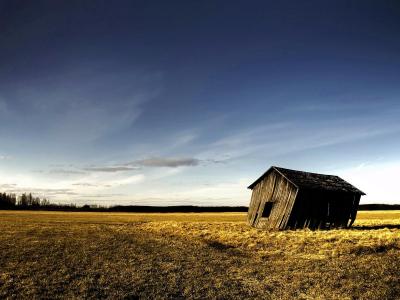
(288,199)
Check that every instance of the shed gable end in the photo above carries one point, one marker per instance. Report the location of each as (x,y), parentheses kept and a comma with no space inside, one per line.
(271,201)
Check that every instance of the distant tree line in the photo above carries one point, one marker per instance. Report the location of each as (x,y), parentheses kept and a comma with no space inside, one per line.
(7,200)
(379,207)
(11,201)
(29,202)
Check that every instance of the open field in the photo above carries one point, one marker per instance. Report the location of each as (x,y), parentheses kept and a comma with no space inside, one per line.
(205,255)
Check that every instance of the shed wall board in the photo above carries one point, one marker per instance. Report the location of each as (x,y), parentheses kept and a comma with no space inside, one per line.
(261,193)
(272,188)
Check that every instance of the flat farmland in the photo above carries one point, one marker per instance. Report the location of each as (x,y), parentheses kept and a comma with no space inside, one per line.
(73,255)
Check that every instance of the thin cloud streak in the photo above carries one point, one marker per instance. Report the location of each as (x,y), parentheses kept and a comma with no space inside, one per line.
(285,138)
(129,180)
(65,172)
(166,162)
(111,169)
(159,162)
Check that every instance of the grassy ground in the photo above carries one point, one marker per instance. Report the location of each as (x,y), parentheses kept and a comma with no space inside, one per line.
(104,255)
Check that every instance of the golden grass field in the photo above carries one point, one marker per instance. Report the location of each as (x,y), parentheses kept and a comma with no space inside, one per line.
(198,256)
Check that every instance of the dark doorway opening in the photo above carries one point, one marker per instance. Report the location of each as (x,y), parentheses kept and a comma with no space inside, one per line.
(267,210)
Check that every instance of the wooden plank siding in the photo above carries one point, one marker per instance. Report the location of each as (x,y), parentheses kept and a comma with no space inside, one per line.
(260,194)
(273,188)
(267,196)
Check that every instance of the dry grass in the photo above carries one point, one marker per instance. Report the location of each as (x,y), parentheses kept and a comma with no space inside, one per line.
(104,255)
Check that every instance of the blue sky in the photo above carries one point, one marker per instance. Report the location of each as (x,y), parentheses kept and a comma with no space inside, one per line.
(188,102)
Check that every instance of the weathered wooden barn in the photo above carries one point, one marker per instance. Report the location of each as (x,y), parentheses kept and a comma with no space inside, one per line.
(289,199)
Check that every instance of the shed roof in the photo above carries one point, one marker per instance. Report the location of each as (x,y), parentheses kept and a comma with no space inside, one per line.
(314,181)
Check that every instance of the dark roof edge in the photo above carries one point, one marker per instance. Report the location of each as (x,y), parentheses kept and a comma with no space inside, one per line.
(284,176)
(251,186)
(360,191)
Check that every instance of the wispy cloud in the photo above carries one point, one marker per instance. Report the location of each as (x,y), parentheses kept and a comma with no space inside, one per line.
(296,136)
(65,172)
(86,184)
(107,196)
(99,177)
(82,104)
(90,169)
(3,107)
(5,157)
(160,162)
(8,186)
(128,180)
(110,169)
(166,162)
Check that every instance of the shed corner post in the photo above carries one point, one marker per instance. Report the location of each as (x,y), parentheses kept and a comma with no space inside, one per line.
(353,214)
